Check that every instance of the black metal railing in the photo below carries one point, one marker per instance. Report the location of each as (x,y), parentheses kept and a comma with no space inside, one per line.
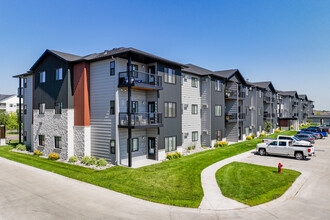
(141,79)
(140,119)
(229,117)
(233,94)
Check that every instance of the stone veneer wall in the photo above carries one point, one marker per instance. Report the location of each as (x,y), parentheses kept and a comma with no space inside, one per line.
(82,141)
(51,125)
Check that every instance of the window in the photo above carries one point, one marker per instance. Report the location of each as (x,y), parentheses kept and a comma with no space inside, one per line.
(194,136)
(42,108)
(42,76)
(194,109)
(58,108)
(135,69)
(112,107)
(246,91)
(170,109)
(135,106)
(25,136)
(112,68)
(282,143)
(247,131)
(274,143)
(135,143)
(218,85)
(259,111)
(59,74)
(217,110)
(169,75)
(170,144)
(259,93)
(42,140)
(218,135)
(25,110)
(25,82)
(194,82)
(58,142)
(112,146)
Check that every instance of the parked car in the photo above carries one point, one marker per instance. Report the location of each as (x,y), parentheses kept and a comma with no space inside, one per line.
(306,137)
(315,135)
(316,130)
(285,148)
(295,141)
(325,128)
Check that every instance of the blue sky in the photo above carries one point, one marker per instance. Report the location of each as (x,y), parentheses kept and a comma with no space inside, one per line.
(286,42)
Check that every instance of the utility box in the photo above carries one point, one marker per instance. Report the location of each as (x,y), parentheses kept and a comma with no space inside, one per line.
(2,131)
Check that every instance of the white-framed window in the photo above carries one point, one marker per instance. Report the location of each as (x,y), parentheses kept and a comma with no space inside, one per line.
(247,91)
(217,110)
(112,107)
(41,140)
(218,85)
(42,108)
(194,109)
(194,136)
(42,76)
(112,146)
(59,74)
(58,141)
(259,93)
(170,143)
(25,82)
(194,82)
(169,75)
(135,144)
(170,109)
(112,68)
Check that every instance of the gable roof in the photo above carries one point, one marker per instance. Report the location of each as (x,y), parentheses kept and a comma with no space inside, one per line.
(263,85)
(303,96)
(3,97)
(228,74)
(191,68)
(288,93)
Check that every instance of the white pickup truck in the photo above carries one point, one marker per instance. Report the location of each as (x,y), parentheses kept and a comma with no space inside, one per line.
(295,141)
(285,148)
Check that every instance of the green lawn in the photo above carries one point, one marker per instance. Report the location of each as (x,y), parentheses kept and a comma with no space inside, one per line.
(253,184)
(176,182)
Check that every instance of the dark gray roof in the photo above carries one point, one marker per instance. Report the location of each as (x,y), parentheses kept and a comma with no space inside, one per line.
(66,56)
(288,93)
(263,85)
(303,96)
(191,68)
(3,97)
(225,73)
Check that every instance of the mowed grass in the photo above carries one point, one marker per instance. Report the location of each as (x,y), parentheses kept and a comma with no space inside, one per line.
(253,184)
(175,182)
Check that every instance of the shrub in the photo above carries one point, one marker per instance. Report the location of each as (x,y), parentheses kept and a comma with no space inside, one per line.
(204,148)
(216,145)
(262,135)
(53,156)
(193,147)
(21,147)
(85,160)
(169,156)
(37,153)
(223,143)
(189,148)
(92,161)
(178,154)
(268,126)
(253,135)
(277,131)
(292,127)
(101,162)
(73,159)
(248,138)
(175,155)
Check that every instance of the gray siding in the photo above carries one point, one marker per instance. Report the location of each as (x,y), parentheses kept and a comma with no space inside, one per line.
(27,118)
(217,98)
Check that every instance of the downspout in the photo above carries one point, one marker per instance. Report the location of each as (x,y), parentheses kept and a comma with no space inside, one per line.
(210,109)
(129,139)
(20,110)
(237,111)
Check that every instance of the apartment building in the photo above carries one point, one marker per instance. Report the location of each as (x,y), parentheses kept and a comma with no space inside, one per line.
(303,108)
(127,105)
(8,103)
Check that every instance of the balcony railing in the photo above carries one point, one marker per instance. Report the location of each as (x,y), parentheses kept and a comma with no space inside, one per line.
(140,120)
(268,99)
(232,117)
(140,80)
(295,114)
(294,103)
(232,94)
(269,115)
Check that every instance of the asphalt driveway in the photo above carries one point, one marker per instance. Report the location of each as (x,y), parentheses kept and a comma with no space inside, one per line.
(30,193)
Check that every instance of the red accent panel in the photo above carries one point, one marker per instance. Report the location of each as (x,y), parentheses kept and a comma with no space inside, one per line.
(81,94)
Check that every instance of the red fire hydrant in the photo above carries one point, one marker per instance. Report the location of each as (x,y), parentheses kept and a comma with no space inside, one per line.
(280,167)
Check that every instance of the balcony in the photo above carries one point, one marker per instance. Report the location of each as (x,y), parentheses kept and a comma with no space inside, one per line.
(269,115)
(232,94)
(140,80)
(268,99)
(295,115)
(141,120)
(232,117)
(294,103)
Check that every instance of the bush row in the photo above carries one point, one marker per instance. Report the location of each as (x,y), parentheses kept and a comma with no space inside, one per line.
(89,161)
(172,156)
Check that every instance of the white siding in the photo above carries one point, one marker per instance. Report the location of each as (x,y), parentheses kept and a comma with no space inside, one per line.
(191,122)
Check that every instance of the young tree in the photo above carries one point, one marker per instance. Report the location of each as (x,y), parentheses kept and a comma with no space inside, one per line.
(3,118)
(12,121)
(268,126)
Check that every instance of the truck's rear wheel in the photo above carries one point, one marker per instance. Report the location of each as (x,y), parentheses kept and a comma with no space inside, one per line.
(299,156)
(262,152)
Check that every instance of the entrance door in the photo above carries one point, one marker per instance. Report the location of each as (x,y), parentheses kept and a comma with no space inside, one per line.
(151,111)
(151,71)
(151,148)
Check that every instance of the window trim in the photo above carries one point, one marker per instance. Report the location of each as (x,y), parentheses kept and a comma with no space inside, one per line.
(57,78)
(58,142)
(176,146)
(113,69)
(42,142)
(194,82)
(112,108)
(113,148)
(192,109)
(166,110)
(138,144)
(192,136)
(215,110)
